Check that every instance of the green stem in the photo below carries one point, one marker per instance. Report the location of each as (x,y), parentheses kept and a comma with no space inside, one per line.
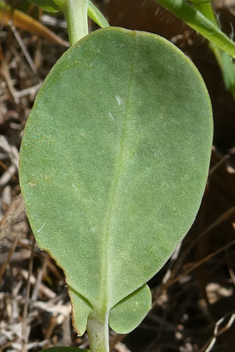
(98,333)
(208,12)
(224,60)
(196,20)
(75,12)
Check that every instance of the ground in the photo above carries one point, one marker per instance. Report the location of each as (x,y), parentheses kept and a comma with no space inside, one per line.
(194,294)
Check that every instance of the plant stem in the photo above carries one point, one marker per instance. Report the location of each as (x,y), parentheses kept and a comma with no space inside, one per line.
(196,20)
(75,12)
(98,332)
(208,12)
(225,62)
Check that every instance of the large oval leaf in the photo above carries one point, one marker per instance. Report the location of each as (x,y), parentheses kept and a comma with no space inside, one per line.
(114,162)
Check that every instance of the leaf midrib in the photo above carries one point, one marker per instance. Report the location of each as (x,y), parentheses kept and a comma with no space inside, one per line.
(104,286)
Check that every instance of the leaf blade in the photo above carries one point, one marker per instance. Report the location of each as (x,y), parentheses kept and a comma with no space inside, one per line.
(106,161)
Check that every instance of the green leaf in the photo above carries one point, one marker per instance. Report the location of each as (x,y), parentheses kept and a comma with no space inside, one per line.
(81,310)
(225,61)
(97,16)
(127,314)
(228,71)
(114,162)
(200,23)
(46,5)
(64,349)
(200,1)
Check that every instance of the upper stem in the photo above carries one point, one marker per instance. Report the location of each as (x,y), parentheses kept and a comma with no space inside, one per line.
(98,332)
(75,12)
